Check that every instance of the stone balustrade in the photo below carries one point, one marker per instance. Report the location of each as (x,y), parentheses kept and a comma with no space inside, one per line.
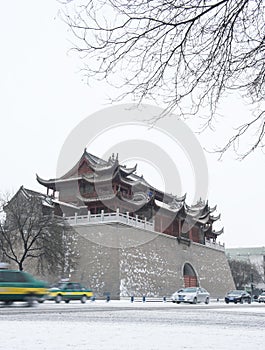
(126,219)
(104,217)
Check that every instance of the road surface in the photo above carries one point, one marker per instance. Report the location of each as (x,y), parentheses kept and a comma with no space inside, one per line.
(119,325)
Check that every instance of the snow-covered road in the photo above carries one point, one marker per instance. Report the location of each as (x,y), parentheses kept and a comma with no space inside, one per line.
(125,325)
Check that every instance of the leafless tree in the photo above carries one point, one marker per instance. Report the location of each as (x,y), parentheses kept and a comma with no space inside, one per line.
(30,232)
(244,273)
(187,53)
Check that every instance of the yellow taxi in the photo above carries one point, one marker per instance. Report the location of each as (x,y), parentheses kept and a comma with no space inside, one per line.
(66,291)
(18,285)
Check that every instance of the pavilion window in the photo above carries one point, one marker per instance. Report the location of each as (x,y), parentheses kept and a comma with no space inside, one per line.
(89,188)
(93,211)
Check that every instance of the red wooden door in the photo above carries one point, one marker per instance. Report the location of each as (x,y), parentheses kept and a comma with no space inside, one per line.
(190,281)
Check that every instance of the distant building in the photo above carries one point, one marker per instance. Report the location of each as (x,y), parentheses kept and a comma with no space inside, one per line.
(255,256)
(134,238)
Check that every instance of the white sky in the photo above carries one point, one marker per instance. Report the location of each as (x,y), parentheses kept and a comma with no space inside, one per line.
(43,98)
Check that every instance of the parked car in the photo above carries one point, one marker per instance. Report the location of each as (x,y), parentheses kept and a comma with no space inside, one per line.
(20,286)
(261,298)
(238,296)
(66,291)
(192,295)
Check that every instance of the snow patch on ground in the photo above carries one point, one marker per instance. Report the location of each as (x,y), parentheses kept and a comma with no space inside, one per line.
(105,336)
(152,326)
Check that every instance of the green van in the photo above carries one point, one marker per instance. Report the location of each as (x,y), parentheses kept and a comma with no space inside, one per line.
(20,286)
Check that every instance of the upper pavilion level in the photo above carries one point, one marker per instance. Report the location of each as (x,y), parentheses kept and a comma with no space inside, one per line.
(94,186)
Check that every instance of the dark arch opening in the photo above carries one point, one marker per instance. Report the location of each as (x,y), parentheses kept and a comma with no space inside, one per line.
(190,277)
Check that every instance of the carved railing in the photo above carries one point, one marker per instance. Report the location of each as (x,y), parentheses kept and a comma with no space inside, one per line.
(134,221)
(110,217)
(215,245)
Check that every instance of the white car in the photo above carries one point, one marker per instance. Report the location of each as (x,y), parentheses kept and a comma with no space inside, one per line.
(192,295)
(261,298)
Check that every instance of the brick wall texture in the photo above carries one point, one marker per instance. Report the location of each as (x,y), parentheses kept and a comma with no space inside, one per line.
(122,261)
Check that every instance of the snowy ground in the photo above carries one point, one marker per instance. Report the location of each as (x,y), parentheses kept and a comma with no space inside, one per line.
(124,325)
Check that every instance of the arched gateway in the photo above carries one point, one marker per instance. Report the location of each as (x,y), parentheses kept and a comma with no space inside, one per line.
(190,278)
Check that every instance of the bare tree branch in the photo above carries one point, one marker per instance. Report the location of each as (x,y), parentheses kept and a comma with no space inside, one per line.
(187,53)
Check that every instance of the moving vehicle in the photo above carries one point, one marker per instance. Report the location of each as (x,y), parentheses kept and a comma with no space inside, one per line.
(261,298)
(20,286)
(66,291)
(192,295)
(238,296)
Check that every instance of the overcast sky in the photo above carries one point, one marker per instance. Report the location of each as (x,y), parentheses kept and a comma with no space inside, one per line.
(43,98)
